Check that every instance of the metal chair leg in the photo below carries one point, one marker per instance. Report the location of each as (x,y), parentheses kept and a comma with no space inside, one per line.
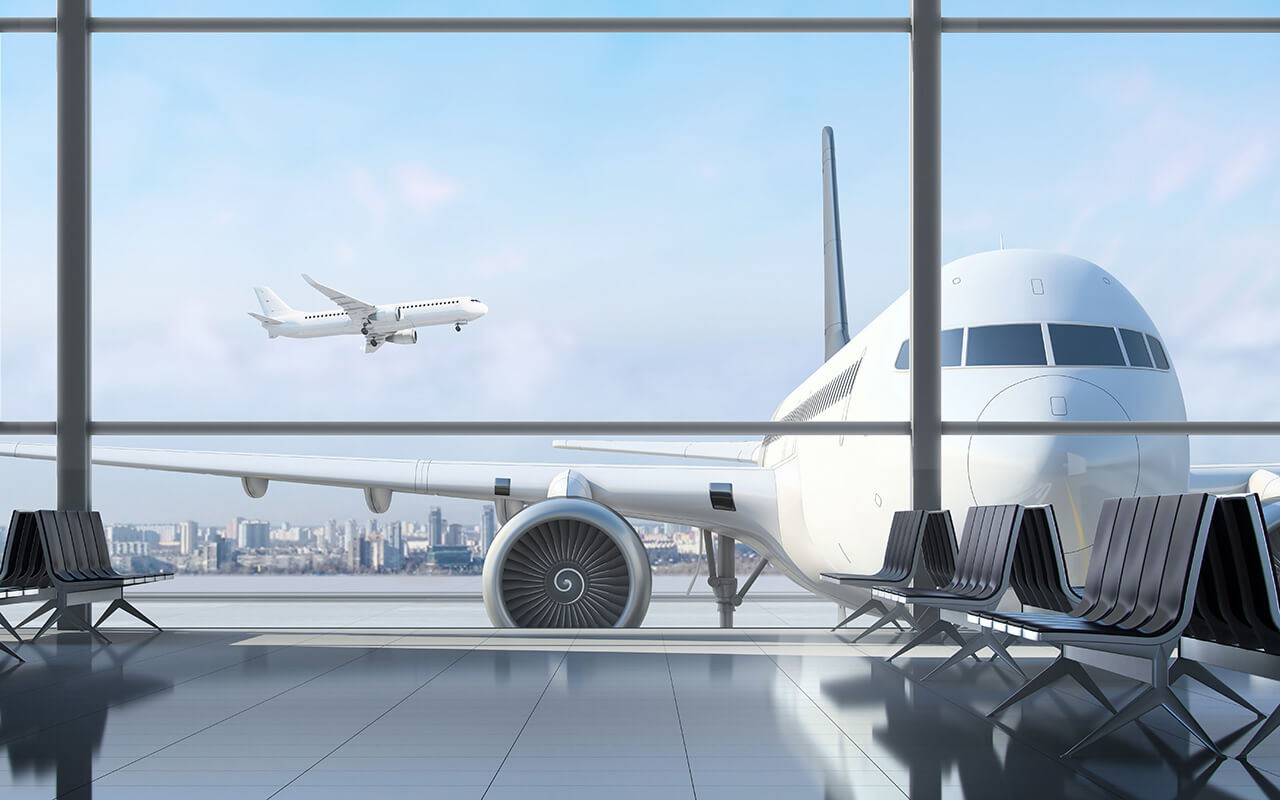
(939,626)
(48,623)
(1002,653)
(49,605)
(120,604)
(1062,667)
(1147,701)
(10,629)
(870,605)
(9,651)
(895,613)
(1200,673)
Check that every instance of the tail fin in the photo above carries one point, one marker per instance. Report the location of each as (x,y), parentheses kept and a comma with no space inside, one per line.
(835,329)
(271,303)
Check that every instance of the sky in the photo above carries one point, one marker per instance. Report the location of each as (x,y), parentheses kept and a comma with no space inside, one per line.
(641,213)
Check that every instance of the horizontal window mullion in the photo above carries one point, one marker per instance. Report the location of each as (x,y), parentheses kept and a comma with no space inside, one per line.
(1110,24)
(499,25)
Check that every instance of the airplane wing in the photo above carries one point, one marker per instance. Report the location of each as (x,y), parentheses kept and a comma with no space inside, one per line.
(679,494)
(358,310)
(744,452)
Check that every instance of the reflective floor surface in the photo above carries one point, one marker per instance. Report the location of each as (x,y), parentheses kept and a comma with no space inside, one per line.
(516,714)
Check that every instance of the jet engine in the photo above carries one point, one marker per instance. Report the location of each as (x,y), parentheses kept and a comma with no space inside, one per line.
(387,314)
(403,337)
(567,562)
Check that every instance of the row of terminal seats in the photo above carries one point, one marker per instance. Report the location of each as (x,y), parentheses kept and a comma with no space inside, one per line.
(1194,574)
(62,559)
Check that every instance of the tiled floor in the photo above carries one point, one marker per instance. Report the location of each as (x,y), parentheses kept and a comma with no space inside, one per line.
(518,714)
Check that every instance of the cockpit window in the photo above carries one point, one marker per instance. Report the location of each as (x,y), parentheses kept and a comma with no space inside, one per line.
(1157,352)
(951,342)
(1085,345)
(1135,345)
(1006,345)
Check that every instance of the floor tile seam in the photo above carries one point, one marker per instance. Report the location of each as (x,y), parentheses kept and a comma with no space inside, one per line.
(684,741)
(59,682)
(1052,757)
(182,739)
(16,737)
(391,708)
(816,705)
(527,719)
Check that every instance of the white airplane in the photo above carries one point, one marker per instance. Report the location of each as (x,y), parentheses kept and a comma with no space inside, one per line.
(1027,335)
(391,322)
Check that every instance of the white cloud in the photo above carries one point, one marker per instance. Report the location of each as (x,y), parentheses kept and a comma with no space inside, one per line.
(422,188)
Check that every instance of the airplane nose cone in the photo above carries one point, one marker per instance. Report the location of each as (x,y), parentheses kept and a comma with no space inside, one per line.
(479,309)
(1073,473)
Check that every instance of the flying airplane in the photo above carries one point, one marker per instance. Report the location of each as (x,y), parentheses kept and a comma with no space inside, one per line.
(1027,335)
(391,322)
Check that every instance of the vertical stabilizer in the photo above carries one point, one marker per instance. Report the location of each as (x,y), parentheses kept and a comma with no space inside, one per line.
(835,331)
(271,303)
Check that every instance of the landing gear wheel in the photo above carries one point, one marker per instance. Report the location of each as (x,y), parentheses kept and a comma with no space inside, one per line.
(458,328)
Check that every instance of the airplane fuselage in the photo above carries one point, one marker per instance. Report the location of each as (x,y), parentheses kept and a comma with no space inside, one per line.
(443,311)
(836,494)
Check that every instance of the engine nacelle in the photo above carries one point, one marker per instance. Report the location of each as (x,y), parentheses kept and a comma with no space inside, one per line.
(403,337)
(567,562)
(387,314)
(1271,517)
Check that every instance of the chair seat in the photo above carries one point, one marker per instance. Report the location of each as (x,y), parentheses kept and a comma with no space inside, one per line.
(881,578)
(935,597)
(1061,628)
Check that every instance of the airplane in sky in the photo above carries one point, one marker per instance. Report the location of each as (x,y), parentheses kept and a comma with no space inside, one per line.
(390,322)
(1027,335)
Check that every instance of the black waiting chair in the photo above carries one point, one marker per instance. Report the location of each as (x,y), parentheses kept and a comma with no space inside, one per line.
(1235,621)
(983,567)
(1137,601)
(79,566)
(23,578)
(916,539)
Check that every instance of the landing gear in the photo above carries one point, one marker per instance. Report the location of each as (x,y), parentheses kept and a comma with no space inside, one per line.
(457,326)
(721,577)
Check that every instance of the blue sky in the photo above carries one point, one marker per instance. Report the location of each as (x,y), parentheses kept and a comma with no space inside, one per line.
(641,213)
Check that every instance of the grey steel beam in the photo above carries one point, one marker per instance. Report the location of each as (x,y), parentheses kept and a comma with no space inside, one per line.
(73,147)
(28,24)
(926,253)
(500,25)
(73,227)
(491,427)
(1110,25)
(29,428)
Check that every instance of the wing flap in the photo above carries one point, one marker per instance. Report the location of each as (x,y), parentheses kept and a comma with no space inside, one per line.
(743,452)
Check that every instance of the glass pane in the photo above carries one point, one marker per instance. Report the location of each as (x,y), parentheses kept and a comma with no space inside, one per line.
(1005,345)
(1085,345)
(584,187)
(493,8)
(1135,346)
(1157,352)
(952,343)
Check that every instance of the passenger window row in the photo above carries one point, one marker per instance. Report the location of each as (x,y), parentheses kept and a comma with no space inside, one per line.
(1023,344)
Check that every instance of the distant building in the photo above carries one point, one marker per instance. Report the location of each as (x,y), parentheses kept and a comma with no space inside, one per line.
(453,538)
(218,553)
(450,556)
(233,530)
(435,526)
(488,528)
(254,533)
(188,533)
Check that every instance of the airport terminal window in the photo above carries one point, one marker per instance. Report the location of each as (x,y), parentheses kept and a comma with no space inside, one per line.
(1085,345)
(1006,345)
(1157,352)
(951,341)
(1136,347)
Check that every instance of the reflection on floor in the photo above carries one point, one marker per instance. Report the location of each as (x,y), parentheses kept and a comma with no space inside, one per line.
(518,714)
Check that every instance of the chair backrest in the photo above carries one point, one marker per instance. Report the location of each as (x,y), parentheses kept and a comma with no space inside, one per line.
(903,548)
(986,551)
(1150,550)
(938,549)
(91,524)
(1039,576)
(24,564)
(1236,600)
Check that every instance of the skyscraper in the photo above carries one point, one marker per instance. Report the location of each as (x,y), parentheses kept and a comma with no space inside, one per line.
(435,526)
(187,532)
(488,528)
(254,533)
